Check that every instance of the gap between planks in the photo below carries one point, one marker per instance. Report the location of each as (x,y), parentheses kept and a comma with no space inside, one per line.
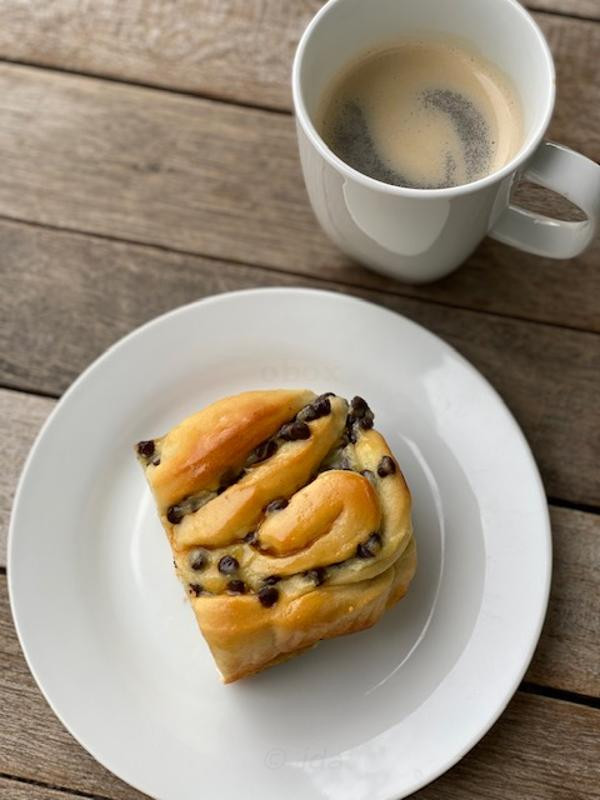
(58,792)
(395,289)
(204,94)
(211,178)
(53,398)
(518,754)
(217,97)
(564,695)
(568,651)
(60,318)
(559,502)
(553,502)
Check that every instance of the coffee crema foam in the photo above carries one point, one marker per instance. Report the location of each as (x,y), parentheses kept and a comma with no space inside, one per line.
(422,114)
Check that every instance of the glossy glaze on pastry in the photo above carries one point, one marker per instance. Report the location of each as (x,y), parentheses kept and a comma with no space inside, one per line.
(289,521)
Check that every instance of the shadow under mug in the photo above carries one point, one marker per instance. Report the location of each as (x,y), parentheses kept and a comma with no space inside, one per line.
(420,235)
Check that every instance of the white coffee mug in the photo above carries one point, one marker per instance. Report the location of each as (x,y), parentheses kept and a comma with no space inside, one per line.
(420,235)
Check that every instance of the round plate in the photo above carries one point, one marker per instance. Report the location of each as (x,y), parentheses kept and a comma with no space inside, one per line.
(109,635)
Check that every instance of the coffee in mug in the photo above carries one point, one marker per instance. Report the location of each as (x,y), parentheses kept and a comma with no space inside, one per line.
(424,114)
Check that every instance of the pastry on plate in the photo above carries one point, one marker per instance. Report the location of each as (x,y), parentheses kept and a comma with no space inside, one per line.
(288,518)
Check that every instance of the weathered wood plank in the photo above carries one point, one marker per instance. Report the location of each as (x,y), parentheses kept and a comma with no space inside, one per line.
(17,790)
(568,653)
(237,50)
(581,8)
(522,758)
(568,656)
(219,180)
(33,743)
(540,748)
(59,316)
(21,417)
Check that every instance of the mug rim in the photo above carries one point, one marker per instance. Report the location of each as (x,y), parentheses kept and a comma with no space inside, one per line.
(525,152)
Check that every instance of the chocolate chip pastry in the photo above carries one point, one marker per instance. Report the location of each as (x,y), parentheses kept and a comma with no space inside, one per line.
(288,518)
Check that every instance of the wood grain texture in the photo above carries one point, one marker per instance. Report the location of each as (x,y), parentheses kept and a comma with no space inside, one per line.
(539,749)
(17,790)
(21,417)
(33,743)
(530,754)
(193,175)
(237,50)
(203,177)
(568,655)
(69,297)
(581,8)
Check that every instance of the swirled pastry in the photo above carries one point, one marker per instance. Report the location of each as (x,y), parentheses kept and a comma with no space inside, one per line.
(289,521)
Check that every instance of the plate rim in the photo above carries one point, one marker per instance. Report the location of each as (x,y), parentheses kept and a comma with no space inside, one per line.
(160,319)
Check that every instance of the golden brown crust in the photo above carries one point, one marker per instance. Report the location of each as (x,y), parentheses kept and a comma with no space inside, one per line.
(230,624)
(195,453)
(305,538)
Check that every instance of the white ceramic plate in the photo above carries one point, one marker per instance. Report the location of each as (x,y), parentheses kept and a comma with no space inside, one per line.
(106,628)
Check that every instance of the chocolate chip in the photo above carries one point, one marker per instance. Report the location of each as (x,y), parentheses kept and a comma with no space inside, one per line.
(359,407)
(318,408)
(276,505)
(268,596)
(228,565)
(236,587)
(295,430)
(370,476)
(369,548)
(263,451)
(195,589)
(156,462)
(386,467)
(362,551)
(316,575)
(198,560)
(228,478)
(366,422)
(322,405)
(251,538)
(374,541)
(327,394)
(146,448)
(271,580)
(174,515)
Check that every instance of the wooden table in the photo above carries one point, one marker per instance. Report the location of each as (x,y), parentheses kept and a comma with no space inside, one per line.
(148,159)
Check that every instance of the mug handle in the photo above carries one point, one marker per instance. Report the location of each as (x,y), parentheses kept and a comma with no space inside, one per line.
(573,176)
